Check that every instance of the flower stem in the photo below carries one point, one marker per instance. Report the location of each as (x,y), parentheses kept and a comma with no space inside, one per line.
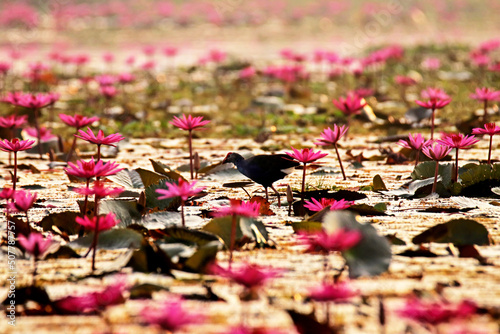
(28,221)
(417,159)
(432,123)
(485,115)
(455,177)
(33,280)
(98,152)
(436,172)
(39,134)
(14,178)
(72,149)
(489,150)
(340,161)
(191,153)
(94,243)
(233,241)
(303,182)
(182,214)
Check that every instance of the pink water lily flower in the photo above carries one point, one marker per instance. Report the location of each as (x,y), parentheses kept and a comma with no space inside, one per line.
(415,142)
(489,129)
(457,141)
(182,189)
(250,276)
(90,169)
(352,104)
(305,156)
(315,205)
(331,137)
(325,242)
(436,99)
(485,95)
(13,121)
(435,313)
(327,292)
(238,208)
(43,133)
(105,222)
(23,200)
(16,145)
(100,139)
(170,315)
(100,190)
(35,244)
(77,121)
(437,153)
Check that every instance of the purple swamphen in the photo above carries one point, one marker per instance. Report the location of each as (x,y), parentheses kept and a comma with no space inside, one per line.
(263,169)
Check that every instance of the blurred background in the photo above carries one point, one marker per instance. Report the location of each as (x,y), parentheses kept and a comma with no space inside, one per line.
(257,28)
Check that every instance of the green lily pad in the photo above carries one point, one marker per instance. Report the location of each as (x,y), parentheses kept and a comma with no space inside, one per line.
(64,222)
(459,232)
(152,200)
(112,239)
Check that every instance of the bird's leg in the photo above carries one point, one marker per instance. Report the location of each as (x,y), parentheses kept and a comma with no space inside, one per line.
(277,193)
(267,194)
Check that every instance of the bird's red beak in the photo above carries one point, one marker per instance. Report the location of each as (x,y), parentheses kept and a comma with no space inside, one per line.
(225,159)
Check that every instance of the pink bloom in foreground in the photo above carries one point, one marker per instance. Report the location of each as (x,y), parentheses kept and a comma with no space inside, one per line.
(337,241)
(238,208)
(435,313)
(351,104)
(35,244)
(105,222)
(100,139)
(189,123)
(16,145)
(13,121)
(77,121)
(249,275)
(7,193)
(92,302)
(331,137)
(315,205)
(306,155)
(182,189)
(87,170)
(99,189)
(22,201)
(170,315)
(327,292)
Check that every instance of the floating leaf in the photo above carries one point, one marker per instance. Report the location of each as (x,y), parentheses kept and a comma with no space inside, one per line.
(427,169)
(149,178)
(61,222)
(129,179)
(459,232)
(152,200)
(307,226)
(367,210)
(112,239)
(371,256)
(478,180)
(145,290)
(63,252)
(151,259)
(378,183)
(308,324)
(126,212)
(420,252)
(247,230)
(165,170)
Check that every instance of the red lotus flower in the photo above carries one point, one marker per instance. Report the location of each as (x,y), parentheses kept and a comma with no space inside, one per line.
(16,145)
(77,121)
(106,80)
(436,99)
(170,315)
(35,244)
(100,139)
(327,292)
(108,91)
(125,78)
(105,222)
(434,93)
(238,208)
(351,104)
(189,123)
(35,101)
(170,51)
(316,205)
(338,241)
(13,121)
(433,103)
(22,201)
(88,170)
(249,275)
(435,313)
(99,190)
(13,98)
